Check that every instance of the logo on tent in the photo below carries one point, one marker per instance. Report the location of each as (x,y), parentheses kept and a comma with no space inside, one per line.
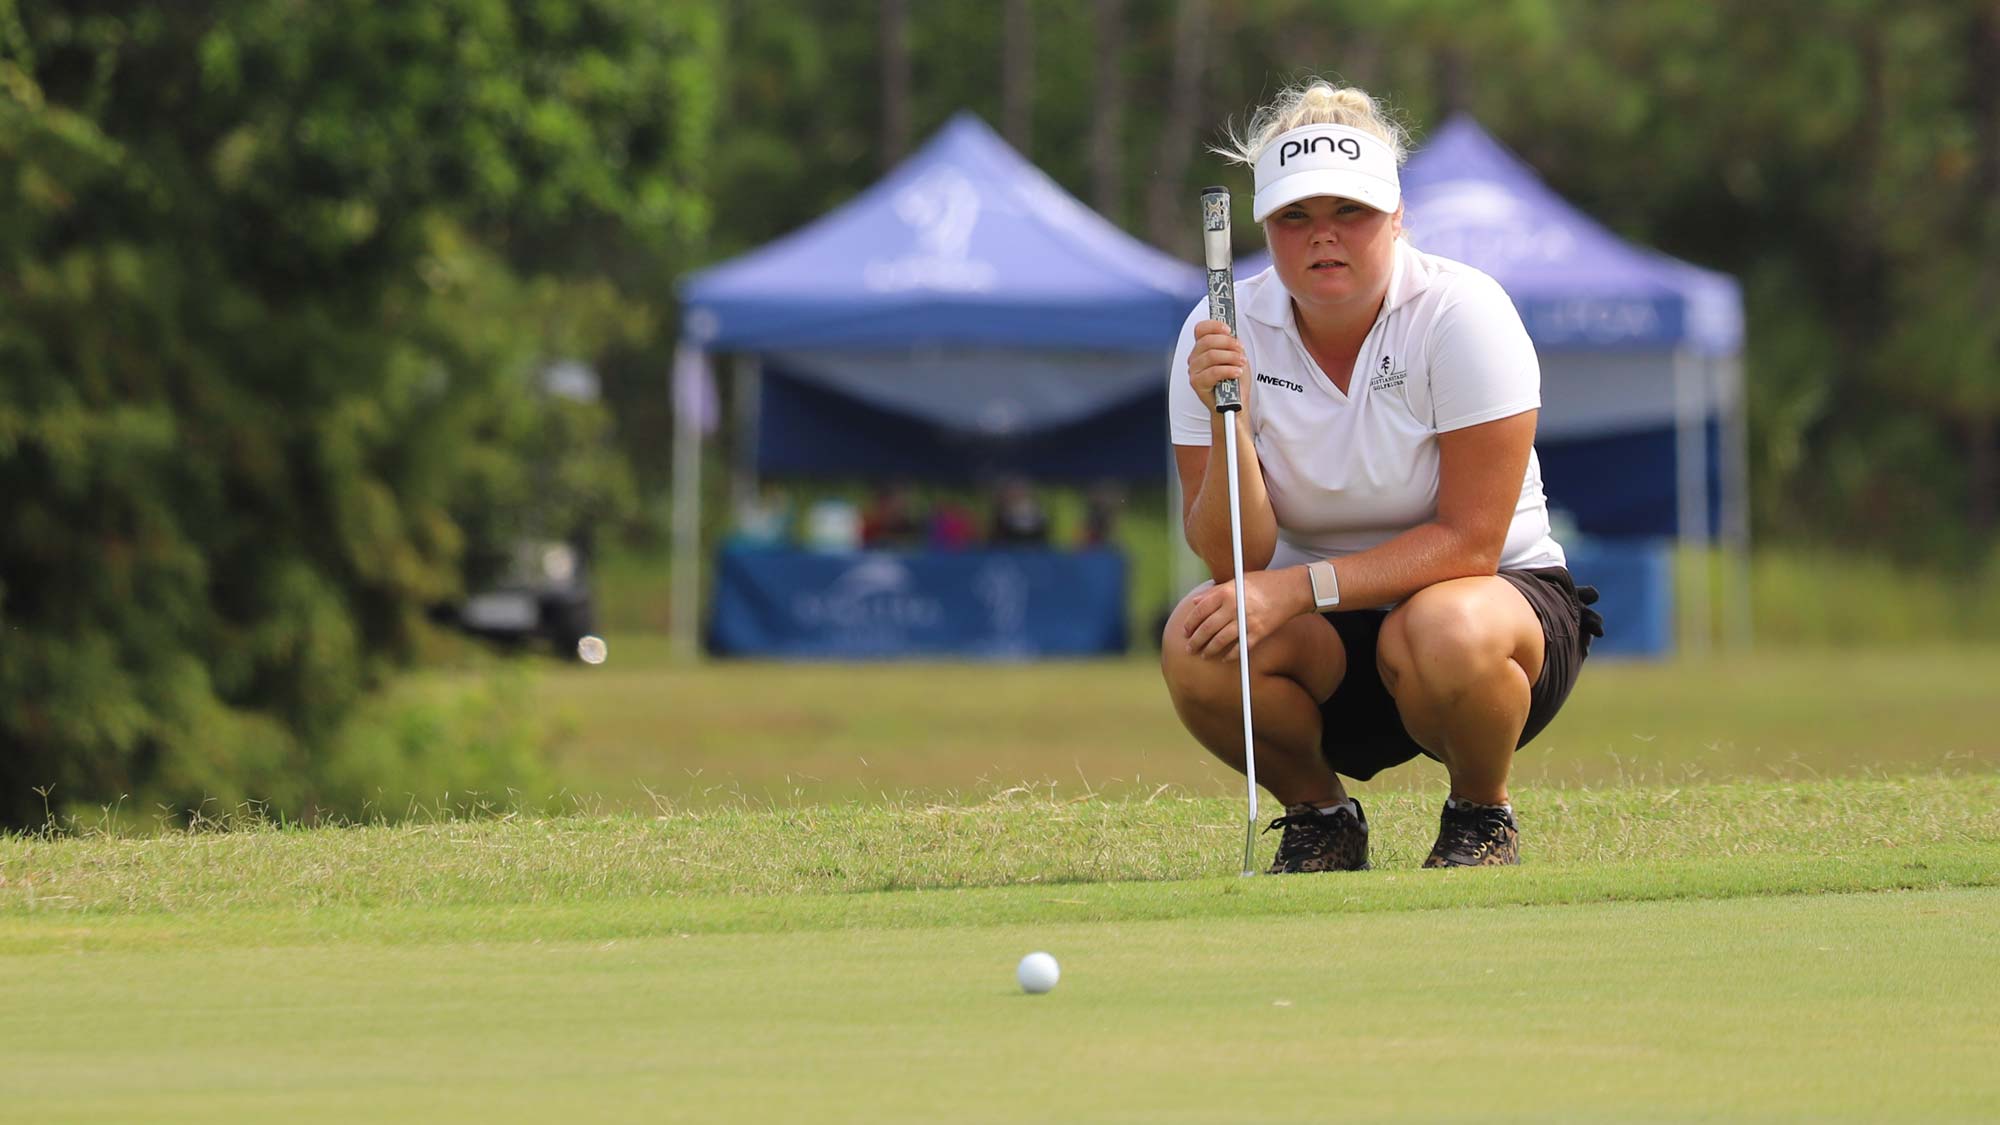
(941,208)
(1481,224)
(1602,321)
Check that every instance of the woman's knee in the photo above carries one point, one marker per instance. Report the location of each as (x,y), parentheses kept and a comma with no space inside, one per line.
(1442,638)
(1304,650)
(1193,680)
(1173,636)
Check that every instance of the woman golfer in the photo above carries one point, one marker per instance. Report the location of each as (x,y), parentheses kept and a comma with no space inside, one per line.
(1403,594)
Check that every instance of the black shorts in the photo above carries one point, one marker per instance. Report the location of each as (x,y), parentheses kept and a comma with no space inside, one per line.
(1362,734)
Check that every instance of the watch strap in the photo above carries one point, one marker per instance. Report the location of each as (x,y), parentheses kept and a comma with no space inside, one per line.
(1325,584)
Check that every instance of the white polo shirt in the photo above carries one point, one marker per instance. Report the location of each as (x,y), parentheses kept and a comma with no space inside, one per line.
(1346,472)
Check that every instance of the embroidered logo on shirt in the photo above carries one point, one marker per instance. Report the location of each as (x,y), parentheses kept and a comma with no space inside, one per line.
(1386,379)
(1277,382)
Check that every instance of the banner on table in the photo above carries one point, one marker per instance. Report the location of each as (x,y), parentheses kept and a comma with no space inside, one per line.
(997,604)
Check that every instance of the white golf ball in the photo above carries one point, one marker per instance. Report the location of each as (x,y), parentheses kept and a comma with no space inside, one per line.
(591,650)
(1037,973)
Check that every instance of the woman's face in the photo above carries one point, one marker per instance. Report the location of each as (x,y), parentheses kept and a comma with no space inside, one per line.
(1333,252)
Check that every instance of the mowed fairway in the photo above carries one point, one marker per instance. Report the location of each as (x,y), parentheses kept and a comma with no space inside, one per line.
(1851,1007)
(1803,951)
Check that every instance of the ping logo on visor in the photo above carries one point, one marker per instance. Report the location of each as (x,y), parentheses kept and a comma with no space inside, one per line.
(1326,160)
(1306,146)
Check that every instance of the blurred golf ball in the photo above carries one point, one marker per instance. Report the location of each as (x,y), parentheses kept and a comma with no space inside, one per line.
(590,650)
(1037,973)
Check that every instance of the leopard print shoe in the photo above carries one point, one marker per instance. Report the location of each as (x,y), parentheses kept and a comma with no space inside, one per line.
(1316,841)
(1472,835)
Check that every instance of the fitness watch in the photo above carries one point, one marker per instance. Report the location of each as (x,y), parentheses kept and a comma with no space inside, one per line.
(1326,585)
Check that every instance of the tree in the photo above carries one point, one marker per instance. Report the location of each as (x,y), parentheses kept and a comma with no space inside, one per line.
(1166,194)
(1107,154)
(1017,75)
(271,324)
(895,51)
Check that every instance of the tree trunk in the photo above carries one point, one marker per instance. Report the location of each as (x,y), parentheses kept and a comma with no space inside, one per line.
(1858,259)
(1107,124)
(894,47)
(1984,80)
(1448,77)
(1170,221)
(1017,75)
(1983,425)
(1361,57)
(1982,474)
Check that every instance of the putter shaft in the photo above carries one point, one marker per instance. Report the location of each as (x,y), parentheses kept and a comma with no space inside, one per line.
(1228,402)
(1242,647)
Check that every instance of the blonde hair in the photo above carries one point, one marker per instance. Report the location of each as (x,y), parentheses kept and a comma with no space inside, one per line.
(1314,102)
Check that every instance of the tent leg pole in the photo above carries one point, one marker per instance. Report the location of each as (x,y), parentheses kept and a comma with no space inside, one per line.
(747,383)
(1735,455)
(685,593)
(1691,496)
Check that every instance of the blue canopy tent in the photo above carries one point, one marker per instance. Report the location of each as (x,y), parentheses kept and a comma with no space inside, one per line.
(952,320)
(965,243)
(1642,425)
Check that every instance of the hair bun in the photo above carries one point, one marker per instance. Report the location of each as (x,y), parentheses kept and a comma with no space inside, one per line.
(1314,102)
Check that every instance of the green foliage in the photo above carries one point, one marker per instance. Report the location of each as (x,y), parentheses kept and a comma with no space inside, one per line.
(467,750)
(272,316)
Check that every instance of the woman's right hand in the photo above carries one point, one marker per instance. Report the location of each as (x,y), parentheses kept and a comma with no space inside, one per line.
(1217,356)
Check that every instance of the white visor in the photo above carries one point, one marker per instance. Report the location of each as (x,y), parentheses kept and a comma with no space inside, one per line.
(1326,160)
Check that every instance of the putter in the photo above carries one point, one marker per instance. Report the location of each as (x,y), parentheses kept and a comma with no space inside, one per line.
(1229,400)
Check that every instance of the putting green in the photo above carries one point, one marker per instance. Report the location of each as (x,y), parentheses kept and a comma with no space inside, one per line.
(1824,1007)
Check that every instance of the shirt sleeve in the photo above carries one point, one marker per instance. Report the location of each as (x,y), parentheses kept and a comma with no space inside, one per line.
(1483,365)
(1187,418)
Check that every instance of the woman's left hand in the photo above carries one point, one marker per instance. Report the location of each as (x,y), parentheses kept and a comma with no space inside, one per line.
(1270,598)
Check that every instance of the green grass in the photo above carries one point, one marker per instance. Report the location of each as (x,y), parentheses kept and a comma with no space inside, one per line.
(1803,597)
(1663,954)
(1753,889)
(789,733)
(1853,1008)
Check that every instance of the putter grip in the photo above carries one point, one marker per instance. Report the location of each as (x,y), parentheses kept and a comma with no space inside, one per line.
(1221,280)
